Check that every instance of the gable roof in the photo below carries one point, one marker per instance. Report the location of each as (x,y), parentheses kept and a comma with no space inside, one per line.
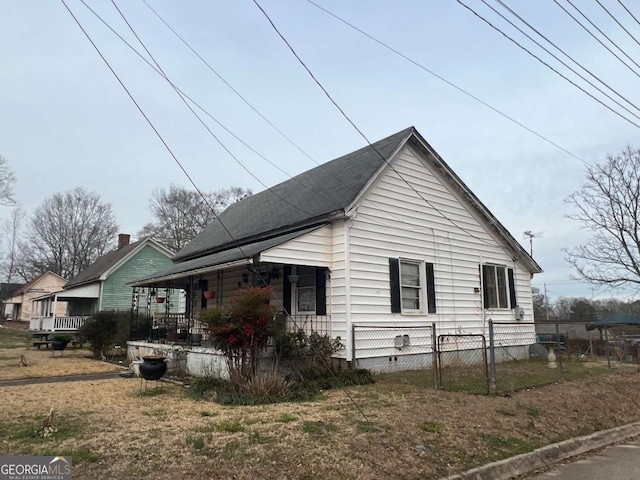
(27,286)
(101,267)
(324,193)
(308,197)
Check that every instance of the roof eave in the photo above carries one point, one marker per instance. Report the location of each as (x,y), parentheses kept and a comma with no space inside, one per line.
(319,220)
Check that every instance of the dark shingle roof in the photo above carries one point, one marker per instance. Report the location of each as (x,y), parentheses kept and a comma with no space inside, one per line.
(101,265)
(307,197)
(7,290)
(226,256)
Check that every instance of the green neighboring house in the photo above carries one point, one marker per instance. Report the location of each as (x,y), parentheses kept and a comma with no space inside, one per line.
(101,287)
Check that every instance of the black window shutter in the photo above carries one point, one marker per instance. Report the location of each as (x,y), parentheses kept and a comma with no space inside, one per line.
(512,289)
(485,291)
(394,280)
(286,289)
(321,291)
(431,289)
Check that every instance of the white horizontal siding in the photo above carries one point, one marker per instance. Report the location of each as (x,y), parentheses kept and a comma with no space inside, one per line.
(313,249)
(440,228)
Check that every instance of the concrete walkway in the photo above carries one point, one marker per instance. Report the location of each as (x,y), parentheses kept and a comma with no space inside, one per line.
(68,378)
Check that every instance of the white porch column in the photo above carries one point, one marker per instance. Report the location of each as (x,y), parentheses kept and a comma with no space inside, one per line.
(55,305)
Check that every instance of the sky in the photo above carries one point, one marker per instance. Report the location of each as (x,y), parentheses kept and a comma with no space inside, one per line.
(65,121)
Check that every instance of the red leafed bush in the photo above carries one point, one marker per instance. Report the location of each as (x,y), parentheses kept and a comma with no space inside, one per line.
(242,329)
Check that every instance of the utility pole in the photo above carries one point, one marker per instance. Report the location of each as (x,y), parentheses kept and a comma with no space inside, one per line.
(546,301)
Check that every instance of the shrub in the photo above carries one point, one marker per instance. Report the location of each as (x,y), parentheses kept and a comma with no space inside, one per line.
(308,353)
(106,329)
(100,330)
(241,329)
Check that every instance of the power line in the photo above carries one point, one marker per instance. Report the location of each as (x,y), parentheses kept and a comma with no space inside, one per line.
(226,149)
(505,6)
(342,112)
(617,21)
(546,64)
(148,120)
(629,12)
(349,396)
(160,72)
(217,74)
(448,82)
(244,99)
(595,37)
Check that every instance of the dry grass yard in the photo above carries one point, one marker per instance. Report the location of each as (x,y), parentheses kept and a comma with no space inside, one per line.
(410,431)
(42,363)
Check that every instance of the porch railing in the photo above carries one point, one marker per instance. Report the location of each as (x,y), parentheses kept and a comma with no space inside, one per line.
(176,328)
(309,324)
(53,324)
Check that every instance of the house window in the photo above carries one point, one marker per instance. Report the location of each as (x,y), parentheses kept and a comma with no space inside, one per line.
(410,286)
(306,290)
(408,282)
(498,289)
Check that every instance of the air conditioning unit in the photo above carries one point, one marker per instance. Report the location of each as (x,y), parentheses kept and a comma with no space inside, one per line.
(519,312)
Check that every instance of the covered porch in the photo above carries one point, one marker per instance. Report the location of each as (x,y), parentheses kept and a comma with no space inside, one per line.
(81,302)
(299,288)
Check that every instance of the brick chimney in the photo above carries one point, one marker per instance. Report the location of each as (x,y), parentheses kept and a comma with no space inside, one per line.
(123,240)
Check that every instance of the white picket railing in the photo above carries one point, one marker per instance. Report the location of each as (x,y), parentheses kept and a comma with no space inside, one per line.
(69,323)
(52,324)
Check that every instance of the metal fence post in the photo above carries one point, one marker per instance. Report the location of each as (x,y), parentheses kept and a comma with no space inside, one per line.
(492,361)
(606,346)
(434,358)
(559,348)
(353,347)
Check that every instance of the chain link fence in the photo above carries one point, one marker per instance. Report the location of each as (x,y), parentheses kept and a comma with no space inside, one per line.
(515,355)
(527,354)
(462,363)
(395,349)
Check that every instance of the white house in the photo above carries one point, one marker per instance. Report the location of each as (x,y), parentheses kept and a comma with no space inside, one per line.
(385,236)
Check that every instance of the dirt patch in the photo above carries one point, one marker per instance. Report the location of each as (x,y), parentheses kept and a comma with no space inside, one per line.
(403,430)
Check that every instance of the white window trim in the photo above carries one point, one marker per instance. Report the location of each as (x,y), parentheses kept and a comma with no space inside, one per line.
(294,297)
(506,285)
(422,290)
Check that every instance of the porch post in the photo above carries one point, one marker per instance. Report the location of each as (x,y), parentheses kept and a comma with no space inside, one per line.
(55,306)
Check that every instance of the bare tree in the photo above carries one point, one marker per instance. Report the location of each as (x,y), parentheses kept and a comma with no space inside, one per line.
(609,206)
(12,226)
(180,214)
(7,179)
(67,233)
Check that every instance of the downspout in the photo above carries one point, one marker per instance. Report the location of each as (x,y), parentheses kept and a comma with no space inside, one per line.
(100,298)
(347,287)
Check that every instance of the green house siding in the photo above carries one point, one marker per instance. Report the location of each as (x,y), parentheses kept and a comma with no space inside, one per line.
(115,296)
